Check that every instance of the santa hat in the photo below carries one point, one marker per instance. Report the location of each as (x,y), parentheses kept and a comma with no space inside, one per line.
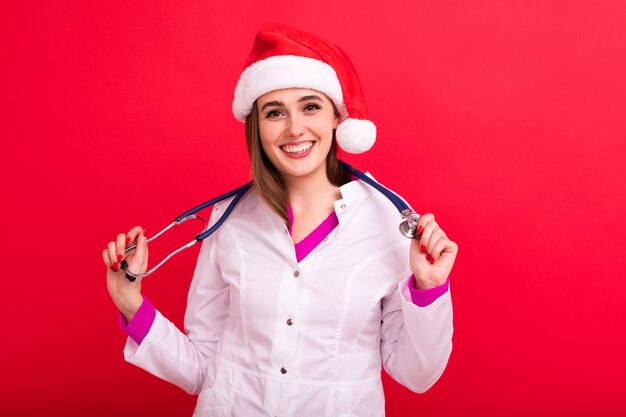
(283,57)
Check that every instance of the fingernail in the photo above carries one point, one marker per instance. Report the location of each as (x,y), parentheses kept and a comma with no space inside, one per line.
(423,248)
(112,269)
(116,266)
(420,229)
(428,257)
(119,258)
(127,241)
(432,260)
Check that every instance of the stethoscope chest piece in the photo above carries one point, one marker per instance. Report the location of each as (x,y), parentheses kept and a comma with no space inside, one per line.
(409,226)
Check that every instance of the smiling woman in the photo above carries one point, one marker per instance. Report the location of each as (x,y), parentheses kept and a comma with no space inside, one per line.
(294,305)
(296,131)
(294,120)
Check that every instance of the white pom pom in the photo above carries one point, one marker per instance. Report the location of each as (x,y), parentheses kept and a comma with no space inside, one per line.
(356,135)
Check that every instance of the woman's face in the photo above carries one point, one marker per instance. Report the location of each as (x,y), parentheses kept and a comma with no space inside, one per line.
(296,128)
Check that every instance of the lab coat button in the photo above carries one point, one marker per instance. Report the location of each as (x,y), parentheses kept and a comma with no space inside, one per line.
(289,322)
(342,206)
(283,371)
(296,274)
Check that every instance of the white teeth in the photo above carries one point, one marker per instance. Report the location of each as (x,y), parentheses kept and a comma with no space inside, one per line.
(297,149)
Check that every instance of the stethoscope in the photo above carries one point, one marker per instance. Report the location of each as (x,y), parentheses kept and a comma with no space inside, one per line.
(408,227)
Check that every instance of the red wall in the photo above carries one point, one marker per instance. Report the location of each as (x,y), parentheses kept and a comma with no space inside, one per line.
(505,119)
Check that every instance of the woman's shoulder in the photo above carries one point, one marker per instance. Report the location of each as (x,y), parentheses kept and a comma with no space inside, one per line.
(247,203)
(376,199)
(373,218)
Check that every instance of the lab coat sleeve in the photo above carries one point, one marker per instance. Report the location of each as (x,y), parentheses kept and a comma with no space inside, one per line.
(181,358)
(416,342)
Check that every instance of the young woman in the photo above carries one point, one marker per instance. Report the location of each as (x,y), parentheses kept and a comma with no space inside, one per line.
(308,287)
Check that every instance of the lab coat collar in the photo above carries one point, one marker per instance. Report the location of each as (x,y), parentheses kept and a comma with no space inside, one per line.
(353,193)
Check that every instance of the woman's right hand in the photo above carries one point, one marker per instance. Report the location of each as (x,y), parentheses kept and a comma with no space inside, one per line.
(125,294)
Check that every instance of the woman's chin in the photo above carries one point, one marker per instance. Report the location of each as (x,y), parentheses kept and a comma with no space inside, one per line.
(302,169)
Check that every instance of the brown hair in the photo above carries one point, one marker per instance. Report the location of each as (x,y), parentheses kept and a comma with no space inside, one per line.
(266,178)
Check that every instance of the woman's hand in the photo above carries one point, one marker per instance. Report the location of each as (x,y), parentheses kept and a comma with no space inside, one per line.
(125,294)
(431,257)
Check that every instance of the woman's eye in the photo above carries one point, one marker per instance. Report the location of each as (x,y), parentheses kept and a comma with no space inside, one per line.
(311,107)
(272,114)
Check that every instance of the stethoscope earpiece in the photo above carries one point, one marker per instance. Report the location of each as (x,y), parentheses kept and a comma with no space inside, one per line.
(124,268)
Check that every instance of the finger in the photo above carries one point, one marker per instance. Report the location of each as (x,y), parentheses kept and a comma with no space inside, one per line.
(451,247)
(132,234)
(141,250)
(436,234)
(106,258)
(429,227)
(113,256)
(438,248)
(424,218)
(121,245)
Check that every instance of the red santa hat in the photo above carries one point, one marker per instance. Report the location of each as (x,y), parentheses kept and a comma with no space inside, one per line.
(283,57)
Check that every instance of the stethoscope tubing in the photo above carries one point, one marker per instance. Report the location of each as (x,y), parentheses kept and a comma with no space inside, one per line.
(397,201)
(407,227)
(188,215)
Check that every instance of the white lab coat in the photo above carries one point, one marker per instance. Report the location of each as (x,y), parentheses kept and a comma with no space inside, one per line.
(348,307)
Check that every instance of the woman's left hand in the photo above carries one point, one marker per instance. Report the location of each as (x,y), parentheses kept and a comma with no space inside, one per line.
(431,257)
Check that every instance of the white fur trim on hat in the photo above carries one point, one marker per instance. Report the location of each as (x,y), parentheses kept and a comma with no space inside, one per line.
(285,71)
(356,135)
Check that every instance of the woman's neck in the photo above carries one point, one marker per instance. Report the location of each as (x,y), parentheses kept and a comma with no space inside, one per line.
(312,201)
(311,191)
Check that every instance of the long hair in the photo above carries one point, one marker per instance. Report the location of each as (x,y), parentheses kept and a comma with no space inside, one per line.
(266,179)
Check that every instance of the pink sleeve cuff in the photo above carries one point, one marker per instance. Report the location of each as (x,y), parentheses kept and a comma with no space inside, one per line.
(140,325)
(422,298)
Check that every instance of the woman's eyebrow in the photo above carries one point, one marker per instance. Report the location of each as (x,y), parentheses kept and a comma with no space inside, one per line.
(311,97)
(300,100)
(271,103)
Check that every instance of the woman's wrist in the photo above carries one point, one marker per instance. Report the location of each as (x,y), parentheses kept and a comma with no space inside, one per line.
(427,284)
(129,308)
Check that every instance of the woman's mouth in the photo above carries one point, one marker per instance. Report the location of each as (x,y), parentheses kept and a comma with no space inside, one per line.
(296,151)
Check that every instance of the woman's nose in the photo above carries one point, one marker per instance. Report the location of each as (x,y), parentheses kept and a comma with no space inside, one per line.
(295,126)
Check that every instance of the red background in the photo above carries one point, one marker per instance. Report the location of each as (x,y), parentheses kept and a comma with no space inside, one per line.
(505,119)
